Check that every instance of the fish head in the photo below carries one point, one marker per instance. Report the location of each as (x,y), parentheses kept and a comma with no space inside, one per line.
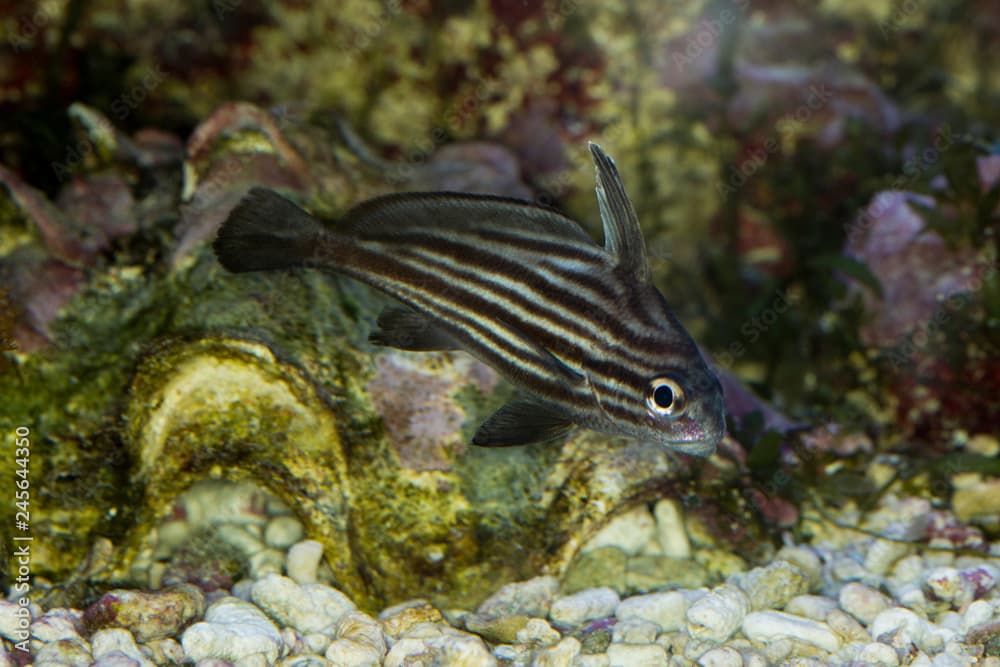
(684,408)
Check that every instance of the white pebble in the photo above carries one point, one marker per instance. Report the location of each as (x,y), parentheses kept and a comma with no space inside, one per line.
(64,652)
(266,561)
(977,613)
(629,655)
(283,531)
(815,607)
(666,609)
(716,616)
(944,583)
(878,655)
(593,603)
(562,654)
(670,531)
(723,656)
(951,660)
(303,561)
(529,598)
(307,608)
(883,554)
(14,620)
(351,653)
(635,631)
(427,643)
(116,659)
(55,625)
(233,630)
(898,627)
(630,532)
(863,602)
(111,640)
(537,632)
(767,626)
(362,628)
(592,660)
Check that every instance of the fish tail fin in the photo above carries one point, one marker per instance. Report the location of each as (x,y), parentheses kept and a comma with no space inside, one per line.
(266,231)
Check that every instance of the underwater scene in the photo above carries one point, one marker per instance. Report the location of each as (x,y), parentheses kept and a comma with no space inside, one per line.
(554,333)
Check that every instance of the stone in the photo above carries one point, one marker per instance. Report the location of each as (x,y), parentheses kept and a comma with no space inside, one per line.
(528,598)
(670,531)
(667,610)
(628,655)
(634,631)
(815,607)
(772,586)
(644,574)
(767,626)
(148,616)
(118,641)
(14,619)
(56,624)
(302,562)
(863,602)
(398,619)
(439,645)
(877,654)
(605,566)
(233,630)
(283,531)
(498,630)
(723,656)
(630,532)
(716,616)
(307,607)
(572,610)
(563,654)
(537,632)
(63,652)
(898,627)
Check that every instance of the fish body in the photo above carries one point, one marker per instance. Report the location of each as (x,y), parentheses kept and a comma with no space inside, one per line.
(579,328)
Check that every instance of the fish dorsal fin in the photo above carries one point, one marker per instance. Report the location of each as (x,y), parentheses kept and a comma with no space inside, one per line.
(522,421)
(622,236)
(406,329)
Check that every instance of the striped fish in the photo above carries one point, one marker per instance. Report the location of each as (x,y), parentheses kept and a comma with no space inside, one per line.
(578,328)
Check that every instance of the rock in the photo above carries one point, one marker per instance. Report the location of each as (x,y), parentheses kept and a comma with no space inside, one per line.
(116,659)
(944,583)
(537,632)
(56,624)
(303,660)
(528,598)
(165,651)
(635,631)
(601,567)
(630,532)
(563,654)
(307,607)
(233,630)
(592,660)
(14,620)
(772,586)
(878,655)
(352,653)
(572,610)
(398,619)
(804,558)
(863,602)
(439,645)
(644,574)
(500,630)
(118,641)
(63,652)
(266,561)
(647,655)
(716,616)
(283,531)
(148,616)
(359,641)
(815,607)
(846,627)
(898,627)
(767,626)
(723,656)
(670,531)
(302,563)
(666,610)
(883,554)
(976,614)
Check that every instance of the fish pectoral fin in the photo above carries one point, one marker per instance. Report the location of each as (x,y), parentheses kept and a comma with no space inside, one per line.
(521,421)
(406,329)
(622,235)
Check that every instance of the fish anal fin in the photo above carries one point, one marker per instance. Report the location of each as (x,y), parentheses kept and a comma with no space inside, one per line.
(406,329)
(622,235)
(521,421)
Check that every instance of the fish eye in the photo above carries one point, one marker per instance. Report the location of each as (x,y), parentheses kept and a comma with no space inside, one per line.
(666,397)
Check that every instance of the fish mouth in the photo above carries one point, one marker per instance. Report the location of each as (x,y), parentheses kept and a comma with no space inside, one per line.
(700,448)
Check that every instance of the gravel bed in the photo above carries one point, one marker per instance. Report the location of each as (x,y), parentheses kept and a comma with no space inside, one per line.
(846,599)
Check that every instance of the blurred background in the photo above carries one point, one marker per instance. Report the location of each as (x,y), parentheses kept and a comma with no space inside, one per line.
(818,182)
